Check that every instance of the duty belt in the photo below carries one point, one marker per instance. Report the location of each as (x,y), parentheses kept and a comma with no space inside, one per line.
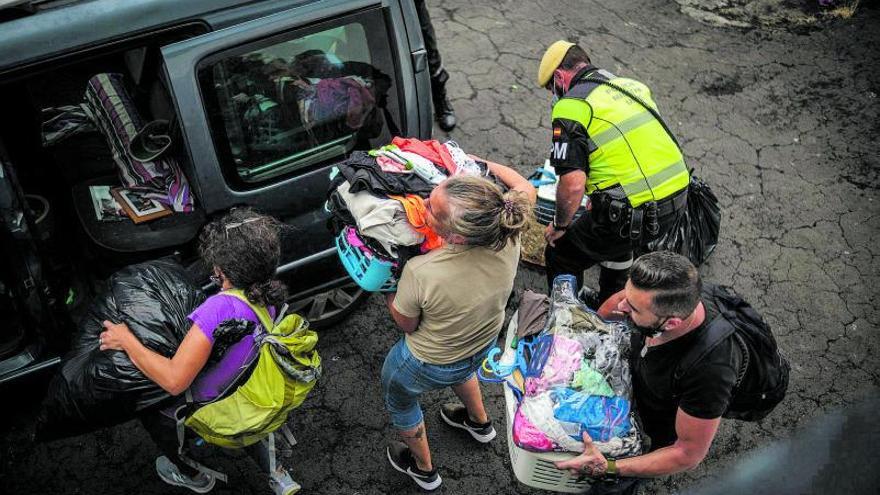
(635,222)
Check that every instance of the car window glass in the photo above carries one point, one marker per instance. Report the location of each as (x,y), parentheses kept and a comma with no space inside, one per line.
(301,99)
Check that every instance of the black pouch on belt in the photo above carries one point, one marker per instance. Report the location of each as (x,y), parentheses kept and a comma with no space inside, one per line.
(617,210)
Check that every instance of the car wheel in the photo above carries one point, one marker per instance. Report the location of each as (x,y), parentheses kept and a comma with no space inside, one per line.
(328,308)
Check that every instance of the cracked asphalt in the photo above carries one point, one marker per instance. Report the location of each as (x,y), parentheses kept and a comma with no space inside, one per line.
(782,123)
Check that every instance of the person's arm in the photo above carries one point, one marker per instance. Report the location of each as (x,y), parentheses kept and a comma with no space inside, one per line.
(511,178)
(174,375)
(569,155)
(695,436)
(608,310)
(569,194)
(406,323)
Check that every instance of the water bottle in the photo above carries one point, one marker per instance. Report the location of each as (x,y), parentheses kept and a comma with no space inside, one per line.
(564,289)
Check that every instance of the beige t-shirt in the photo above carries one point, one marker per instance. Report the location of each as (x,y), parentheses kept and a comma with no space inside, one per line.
(459,292)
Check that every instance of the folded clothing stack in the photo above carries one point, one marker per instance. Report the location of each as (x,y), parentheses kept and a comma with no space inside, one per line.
(376,200)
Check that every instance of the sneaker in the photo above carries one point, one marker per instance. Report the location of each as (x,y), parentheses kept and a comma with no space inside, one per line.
(282,484)
(456,416)
(170,473)
(402,460)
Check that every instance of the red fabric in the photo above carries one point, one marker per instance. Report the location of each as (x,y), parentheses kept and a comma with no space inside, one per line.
(416,214)
(432,150)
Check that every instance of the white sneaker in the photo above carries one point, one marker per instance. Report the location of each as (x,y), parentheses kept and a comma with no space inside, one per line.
(282,484)
(170,473)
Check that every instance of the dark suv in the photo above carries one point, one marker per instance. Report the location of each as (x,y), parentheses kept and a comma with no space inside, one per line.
(229,76)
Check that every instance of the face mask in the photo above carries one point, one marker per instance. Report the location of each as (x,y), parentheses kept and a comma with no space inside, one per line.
(651,331)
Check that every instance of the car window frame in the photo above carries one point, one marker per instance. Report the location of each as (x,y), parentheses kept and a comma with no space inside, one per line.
(321,158)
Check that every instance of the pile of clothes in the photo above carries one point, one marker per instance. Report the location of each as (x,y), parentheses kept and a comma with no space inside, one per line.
(571,377)
(376,198)
(139,148)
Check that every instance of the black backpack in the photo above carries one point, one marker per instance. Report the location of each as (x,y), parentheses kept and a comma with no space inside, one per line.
(763,376)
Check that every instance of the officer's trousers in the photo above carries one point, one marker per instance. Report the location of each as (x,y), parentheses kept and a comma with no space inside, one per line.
(590,240)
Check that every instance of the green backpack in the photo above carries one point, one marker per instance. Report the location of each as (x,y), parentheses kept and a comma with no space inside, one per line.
(286,370)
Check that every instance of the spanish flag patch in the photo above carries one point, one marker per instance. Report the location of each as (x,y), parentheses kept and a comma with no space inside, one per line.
(557,132)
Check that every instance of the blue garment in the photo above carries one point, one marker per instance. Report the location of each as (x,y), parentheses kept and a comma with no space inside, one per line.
(405,378)
(601,417)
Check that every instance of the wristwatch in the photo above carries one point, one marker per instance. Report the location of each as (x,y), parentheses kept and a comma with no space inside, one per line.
(610,471)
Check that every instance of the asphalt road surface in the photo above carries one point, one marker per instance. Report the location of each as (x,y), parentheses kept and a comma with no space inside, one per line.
(781,120)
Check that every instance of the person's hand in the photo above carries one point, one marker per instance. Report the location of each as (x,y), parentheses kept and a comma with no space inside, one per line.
(591,463)
(115,336)
(608,310)
(551,234)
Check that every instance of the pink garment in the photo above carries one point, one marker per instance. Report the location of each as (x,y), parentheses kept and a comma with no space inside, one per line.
(564,360)
(527,436)
(354,239)
(343,96)
(389,165)
(431,150)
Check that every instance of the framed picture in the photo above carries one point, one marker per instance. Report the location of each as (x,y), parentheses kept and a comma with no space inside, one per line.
(139,207)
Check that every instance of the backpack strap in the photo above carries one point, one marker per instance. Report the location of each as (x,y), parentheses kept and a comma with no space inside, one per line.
(716,332)
(261,311)
(179,419)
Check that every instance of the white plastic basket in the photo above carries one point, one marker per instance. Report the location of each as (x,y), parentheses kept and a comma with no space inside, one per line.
(536,469)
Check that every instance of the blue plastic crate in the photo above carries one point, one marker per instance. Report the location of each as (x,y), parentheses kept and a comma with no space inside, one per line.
(371,274)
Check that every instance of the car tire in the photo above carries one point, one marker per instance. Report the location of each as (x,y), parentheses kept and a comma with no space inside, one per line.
(330,307)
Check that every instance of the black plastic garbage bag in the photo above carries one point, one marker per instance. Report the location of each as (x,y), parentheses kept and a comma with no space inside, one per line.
(695,233)
(97,388)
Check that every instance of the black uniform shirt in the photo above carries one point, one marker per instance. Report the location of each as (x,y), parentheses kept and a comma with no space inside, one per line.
(571,146)
(704,392)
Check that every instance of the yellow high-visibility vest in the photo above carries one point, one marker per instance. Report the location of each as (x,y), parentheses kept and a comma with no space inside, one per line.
(632,149)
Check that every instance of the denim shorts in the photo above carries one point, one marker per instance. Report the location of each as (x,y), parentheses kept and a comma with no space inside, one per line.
(405,378)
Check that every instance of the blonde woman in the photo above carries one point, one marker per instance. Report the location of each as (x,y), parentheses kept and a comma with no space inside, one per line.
(450,305)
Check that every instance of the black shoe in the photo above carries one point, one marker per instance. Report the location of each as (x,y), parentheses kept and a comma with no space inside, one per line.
(444,114)
(456,416)
(590,297)
(402,460)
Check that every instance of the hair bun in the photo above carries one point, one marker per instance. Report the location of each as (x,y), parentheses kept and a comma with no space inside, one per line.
(269,293)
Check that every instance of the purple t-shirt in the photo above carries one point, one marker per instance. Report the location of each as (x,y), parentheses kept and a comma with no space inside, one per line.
(211,381)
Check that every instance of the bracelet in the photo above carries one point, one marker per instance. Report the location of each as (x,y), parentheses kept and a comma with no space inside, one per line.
(559,227)
(610,471)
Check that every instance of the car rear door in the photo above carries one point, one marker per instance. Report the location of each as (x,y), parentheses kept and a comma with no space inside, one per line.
(267,107)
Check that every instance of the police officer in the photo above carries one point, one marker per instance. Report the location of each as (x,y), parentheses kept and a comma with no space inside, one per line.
(610,143)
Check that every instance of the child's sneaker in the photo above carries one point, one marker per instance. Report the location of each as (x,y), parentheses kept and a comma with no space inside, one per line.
(456,416)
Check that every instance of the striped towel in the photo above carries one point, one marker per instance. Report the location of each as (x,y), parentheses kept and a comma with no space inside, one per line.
(118,120)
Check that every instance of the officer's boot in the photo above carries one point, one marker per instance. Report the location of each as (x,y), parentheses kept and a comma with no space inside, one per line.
(611,282)
(443,112)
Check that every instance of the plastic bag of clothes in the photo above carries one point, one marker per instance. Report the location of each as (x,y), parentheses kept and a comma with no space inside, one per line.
(581,383)
(97,388)
(695,233)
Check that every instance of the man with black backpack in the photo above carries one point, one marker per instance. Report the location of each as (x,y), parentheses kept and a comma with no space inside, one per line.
(699,353)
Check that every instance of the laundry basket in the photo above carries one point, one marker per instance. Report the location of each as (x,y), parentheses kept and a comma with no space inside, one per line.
(531,468)
(372,274)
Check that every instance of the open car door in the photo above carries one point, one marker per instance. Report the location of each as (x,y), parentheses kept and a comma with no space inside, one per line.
(269,106)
